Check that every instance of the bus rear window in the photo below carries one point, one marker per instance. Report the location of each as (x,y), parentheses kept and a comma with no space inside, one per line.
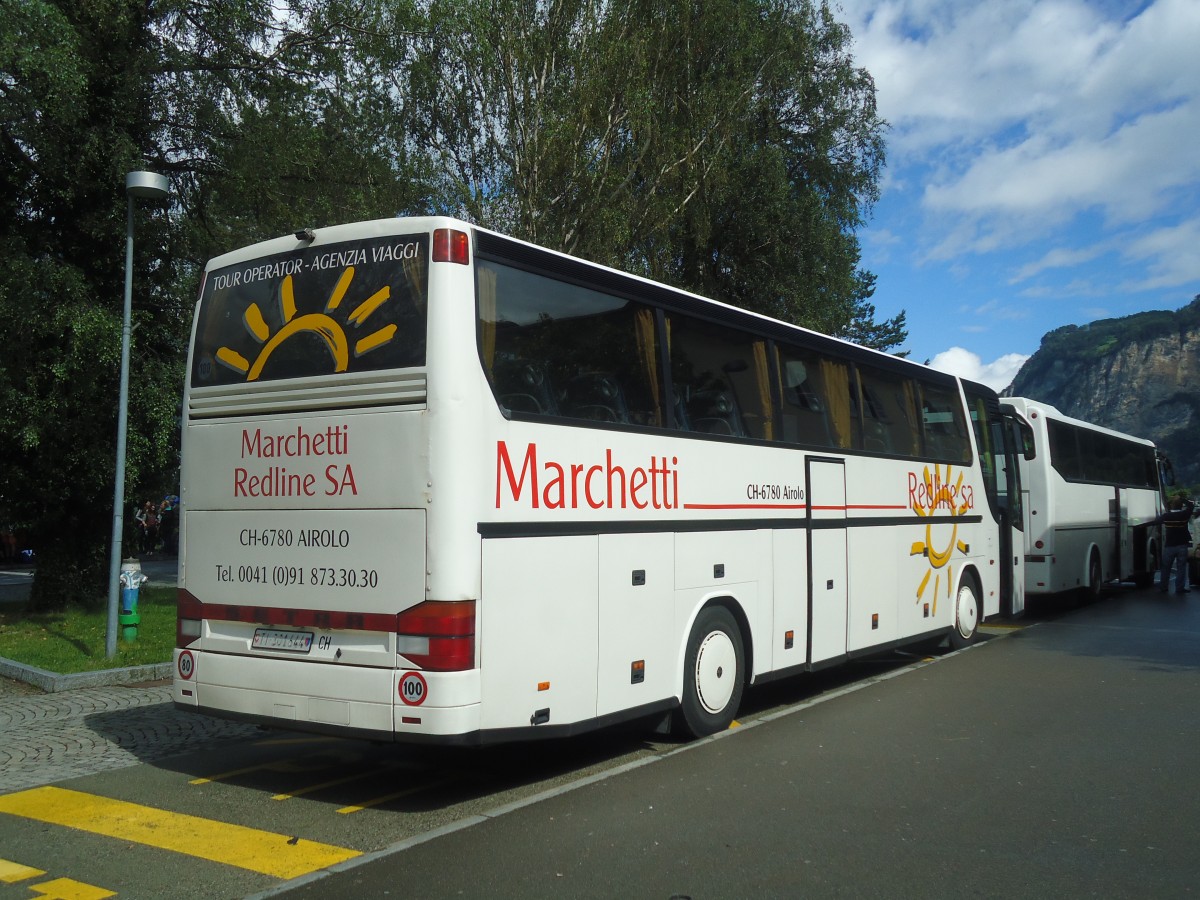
(358,306)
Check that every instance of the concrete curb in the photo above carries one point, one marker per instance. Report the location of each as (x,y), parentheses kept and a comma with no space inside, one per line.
(53,683)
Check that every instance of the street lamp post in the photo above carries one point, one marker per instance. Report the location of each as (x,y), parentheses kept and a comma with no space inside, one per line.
(147,186)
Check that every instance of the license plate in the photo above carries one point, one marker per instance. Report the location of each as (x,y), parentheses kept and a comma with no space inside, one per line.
(272,639)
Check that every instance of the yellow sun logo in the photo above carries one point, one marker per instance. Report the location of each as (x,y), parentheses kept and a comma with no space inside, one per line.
(940,492)
(322,324)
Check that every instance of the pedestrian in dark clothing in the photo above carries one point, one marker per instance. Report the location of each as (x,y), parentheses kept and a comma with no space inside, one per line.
(1176,538)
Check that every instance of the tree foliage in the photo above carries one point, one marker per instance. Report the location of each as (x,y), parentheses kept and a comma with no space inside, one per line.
(728,147)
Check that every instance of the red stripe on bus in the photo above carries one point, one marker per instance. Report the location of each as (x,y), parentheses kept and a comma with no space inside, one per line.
(745,506)
(272,615)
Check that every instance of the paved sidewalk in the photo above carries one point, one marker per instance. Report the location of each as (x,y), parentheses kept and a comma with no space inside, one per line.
(49,737)
(46,738)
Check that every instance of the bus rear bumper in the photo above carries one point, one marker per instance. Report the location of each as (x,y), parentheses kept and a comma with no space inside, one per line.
(327,698)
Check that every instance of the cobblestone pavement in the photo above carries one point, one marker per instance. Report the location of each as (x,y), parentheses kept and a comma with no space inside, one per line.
(46,738)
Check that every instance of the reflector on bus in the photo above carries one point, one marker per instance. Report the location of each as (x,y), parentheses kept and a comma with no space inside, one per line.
(451,245)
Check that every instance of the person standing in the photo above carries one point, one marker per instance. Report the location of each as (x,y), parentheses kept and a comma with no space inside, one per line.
(147,518)
(1176,537)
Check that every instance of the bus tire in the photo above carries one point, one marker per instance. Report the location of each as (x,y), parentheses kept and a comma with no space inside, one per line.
(713,674)
(966,616)
(1091,591)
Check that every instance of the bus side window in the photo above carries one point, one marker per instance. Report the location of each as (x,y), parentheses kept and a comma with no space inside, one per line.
(889,413)
(945,432)
(804,414)
(523,386)
(558,349)
(720,380)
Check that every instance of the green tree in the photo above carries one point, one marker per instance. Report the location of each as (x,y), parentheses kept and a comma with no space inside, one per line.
(727,147)
(74,80)
(263,126)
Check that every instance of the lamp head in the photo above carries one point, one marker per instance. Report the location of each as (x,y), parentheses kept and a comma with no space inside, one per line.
(146,185)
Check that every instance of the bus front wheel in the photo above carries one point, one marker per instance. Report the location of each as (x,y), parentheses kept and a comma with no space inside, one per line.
(713,674)
(966,616)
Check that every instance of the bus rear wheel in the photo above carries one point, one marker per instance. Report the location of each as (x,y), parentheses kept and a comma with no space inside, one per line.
(966,616)
(1091,591)
(713,674)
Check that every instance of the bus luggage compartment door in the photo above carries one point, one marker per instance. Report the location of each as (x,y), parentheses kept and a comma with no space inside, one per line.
(828,573)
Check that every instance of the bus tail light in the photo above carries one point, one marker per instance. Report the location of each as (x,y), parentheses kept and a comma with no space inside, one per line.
(188,613)
(451,245)
(438,635)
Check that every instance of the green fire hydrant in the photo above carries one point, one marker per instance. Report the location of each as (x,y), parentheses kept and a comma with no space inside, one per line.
(132,578)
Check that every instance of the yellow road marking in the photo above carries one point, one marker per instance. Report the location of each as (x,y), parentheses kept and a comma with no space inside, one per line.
(69,889)
(234,845)
(11,872)
(357,776)
(286,766)
(367,804)
(231,774)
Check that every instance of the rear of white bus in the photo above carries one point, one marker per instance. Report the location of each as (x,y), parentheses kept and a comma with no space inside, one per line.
(306,486)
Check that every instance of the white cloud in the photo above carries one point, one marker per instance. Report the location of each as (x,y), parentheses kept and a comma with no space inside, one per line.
(1058,258)
(1024,114)
(997,374)
(1172,255)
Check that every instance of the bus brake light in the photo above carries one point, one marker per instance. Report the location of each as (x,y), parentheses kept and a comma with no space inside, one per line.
(188,614)
(438,635)
(451,245)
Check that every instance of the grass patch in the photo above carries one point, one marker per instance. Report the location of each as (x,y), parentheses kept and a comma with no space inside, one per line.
(73,640)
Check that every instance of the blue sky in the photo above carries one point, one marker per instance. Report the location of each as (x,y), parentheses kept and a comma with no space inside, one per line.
(1043,168)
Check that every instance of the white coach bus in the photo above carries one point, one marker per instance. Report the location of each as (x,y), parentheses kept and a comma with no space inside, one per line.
(440,484)
(1090,493)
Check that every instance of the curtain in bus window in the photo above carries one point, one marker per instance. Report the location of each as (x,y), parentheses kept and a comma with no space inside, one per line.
(910,408)
(762,372)
(414,271)
(485,279)
(648,353)
(836,376)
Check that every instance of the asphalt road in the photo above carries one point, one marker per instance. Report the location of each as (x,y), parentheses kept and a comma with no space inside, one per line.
(1058,762)
(1056,758)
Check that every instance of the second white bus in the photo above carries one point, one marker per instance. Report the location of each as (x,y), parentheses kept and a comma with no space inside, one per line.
(1090,494)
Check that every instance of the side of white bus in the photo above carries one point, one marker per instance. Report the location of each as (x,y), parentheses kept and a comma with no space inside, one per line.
(1090,494)
(583,497)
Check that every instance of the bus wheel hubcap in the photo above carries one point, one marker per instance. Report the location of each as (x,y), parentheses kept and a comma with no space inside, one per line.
(968,612)
(716,671)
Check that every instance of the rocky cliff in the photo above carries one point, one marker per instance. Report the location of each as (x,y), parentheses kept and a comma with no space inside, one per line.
(1140,375)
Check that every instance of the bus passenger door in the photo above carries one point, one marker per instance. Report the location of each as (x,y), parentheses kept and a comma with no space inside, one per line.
(1122,561)
(828,590)
(1013,523)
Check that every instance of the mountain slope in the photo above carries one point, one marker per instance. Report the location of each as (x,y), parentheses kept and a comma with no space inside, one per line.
(1139,374)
